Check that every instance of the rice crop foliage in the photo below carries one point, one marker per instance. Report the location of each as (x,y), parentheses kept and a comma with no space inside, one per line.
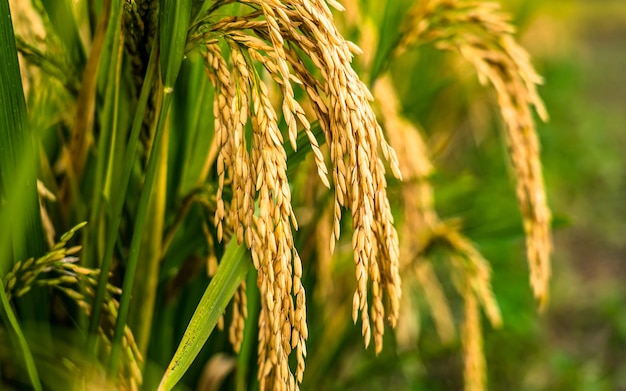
(207,141)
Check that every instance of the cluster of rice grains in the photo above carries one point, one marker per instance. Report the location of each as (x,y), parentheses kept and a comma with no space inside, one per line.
(283,36)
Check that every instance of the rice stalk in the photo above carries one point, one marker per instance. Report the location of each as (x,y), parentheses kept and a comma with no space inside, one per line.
(157,153)
(118,204)
(483,35)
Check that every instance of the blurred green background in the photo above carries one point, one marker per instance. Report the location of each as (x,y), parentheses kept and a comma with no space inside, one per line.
(580,48)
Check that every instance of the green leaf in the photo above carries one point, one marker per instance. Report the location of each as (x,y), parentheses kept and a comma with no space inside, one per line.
(64,23)
(118,202)
(156,154)
(19,217)
(9,318)
(174,24)
(232,270)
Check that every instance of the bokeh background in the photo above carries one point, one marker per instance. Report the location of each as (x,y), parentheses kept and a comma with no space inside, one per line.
(580,341)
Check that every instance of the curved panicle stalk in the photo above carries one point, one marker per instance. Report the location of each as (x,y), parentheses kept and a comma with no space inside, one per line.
(483,35)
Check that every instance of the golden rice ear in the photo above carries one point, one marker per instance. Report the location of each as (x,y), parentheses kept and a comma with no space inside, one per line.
(283,36)
(240,313)
(483,35)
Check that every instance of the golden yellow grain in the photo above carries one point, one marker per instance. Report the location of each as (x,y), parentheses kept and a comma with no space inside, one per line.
(419,215)
(420,228)
(240,313)
(269,35)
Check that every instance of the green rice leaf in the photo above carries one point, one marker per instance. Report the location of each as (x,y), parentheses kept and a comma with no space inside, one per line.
(65,25)
(19,217)
(232,270)
(174,24)
(9,318)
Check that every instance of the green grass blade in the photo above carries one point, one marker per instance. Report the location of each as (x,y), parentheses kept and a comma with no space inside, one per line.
(111,52)
(21,220)
(233,268)
(64,23)
(146,284)
(174,17)
(11,319)
(173,23)
(140,223)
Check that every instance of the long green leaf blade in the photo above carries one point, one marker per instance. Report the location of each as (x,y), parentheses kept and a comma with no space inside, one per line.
(21,221)
(140,222)
(232,270)
(118,202)
(174,24)
(9,317)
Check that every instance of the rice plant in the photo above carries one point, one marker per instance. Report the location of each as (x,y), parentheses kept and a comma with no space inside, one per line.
(201,154)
